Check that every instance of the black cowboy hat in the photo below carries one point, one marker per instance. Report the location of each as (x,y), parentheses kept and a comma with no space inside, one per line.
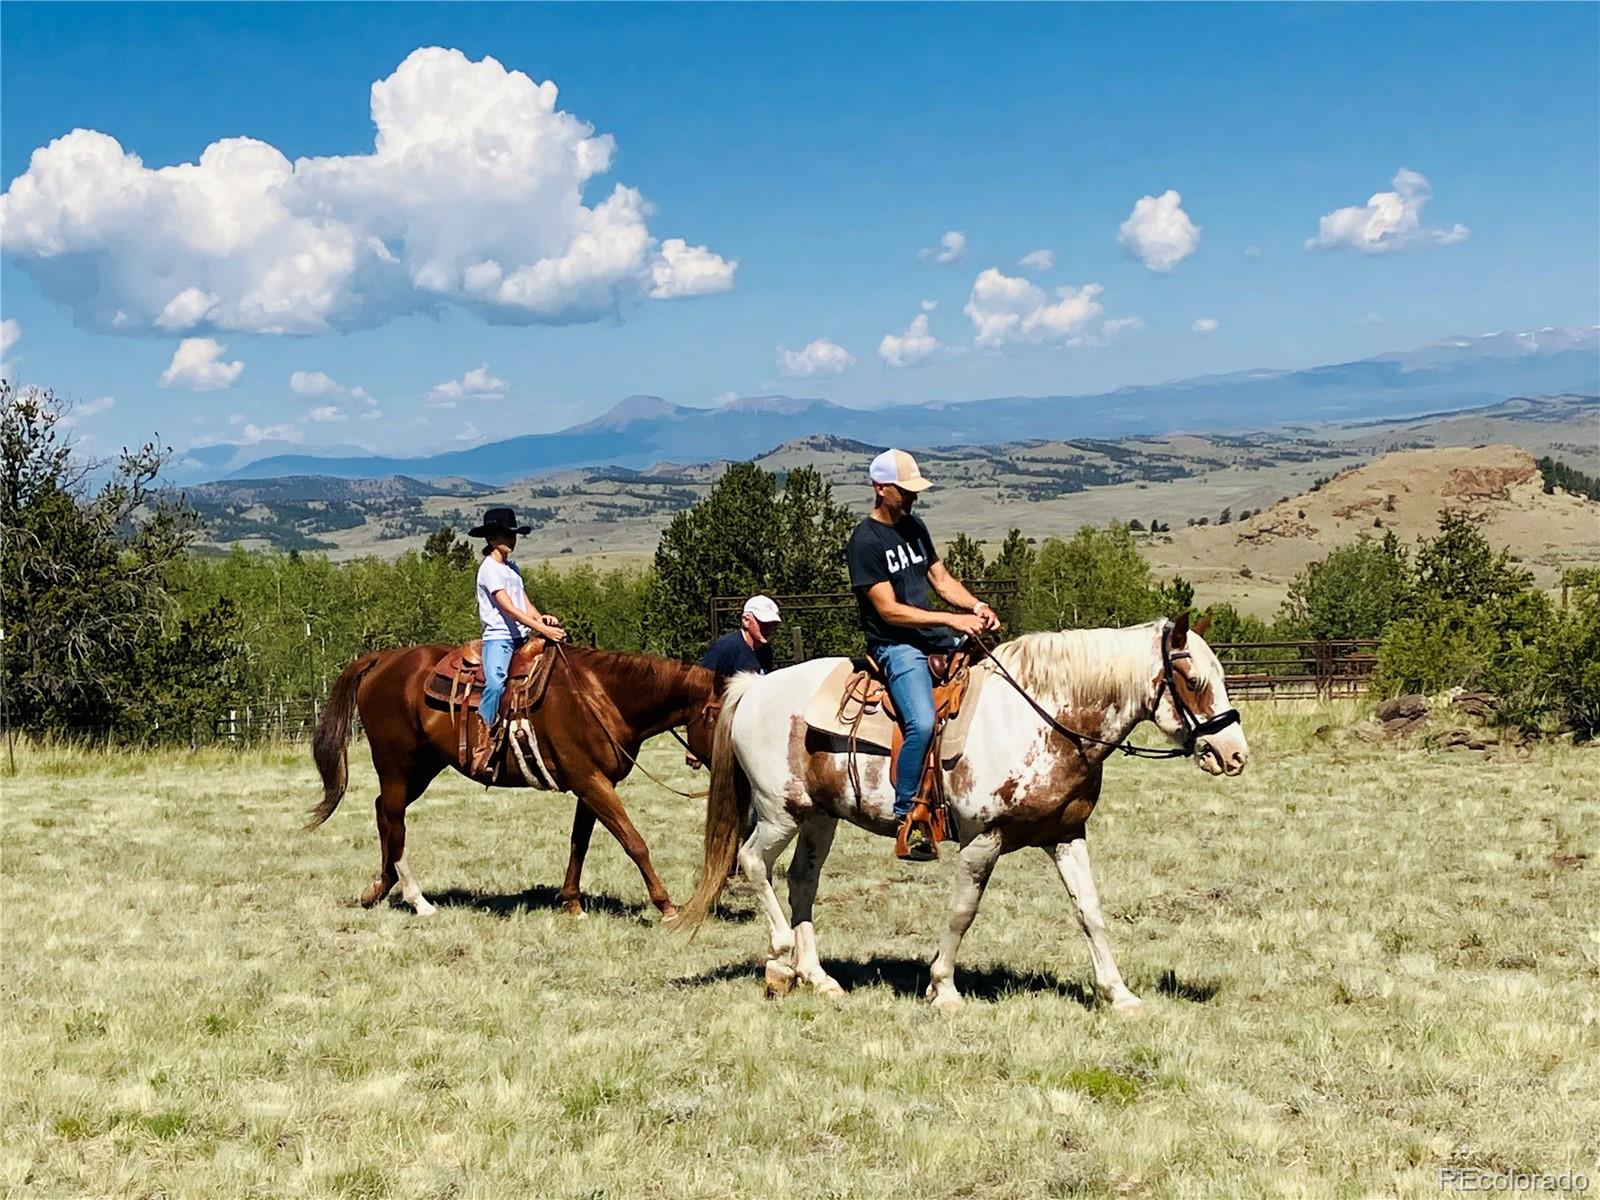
(502,519)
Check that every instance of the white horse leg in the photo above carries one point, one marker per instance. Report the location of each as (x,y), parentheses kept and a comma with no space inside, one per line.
(977,860)
(1072,860)
(756,856)
(805,868)
(410,892)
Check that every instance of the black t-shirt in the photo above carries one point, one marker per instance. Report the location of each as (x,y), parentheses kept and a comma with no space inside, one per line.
(900,554)
(730,654)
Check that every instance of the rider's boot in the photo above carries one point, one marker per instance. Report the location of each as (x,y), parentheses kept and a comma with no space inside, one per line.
(483,751)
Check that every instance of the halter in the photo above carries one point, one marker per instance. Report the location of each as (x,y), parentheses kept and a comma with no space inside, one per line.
(1193,727)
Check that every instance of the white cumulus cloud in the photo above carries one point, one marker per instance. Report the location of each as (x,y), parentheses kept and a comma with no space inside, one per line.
(316,383)
(1121,325)
(476,384)
(1205,325)
(1004,308)
(1038,260)
(326,412)
(911,348)
(820,357)
(929,305)
(472,195)
(1387,221)
(1158,232)
(952,247)
(197,365)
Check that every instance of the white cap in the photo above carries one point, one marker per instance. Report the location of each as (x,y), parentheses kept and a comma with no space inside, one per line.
(763,609)
(899,468)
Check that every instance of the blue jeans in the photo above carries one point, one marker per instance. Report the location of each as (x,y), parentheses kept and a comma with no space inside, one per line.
(911,688)
(496,666)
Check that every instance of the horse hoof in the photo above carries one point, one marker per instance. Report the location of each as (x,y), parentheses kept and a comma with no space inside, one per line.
(947,1004)
(828,987)
(1128,1006)
(372,895)
(779,978)
(424,909)
(669,912)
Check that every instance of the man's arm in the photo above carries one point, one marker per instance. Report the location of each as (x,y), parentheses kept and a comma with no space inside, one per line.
(954,592)
(546,627)
(910,617)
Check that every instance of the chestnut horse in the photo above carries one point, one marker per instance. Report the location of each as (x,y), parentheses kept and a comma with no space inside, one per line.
(599,707)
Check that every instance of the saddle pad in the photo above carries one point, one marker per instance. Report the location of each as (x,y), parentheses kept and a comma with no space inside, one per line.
(876,730)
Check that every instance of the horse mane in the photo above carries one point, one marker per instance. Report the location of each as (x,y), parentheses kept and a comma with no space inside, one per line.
(628,671)
(1085,666)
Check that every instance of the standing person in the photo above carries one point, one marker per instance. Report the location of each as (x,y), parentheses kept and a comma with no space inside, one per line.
(508,618)
(747,648)
(892,566)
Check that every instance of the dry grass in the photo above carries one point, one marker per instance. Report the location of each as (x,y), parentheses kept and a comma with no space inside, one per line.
(1359,964)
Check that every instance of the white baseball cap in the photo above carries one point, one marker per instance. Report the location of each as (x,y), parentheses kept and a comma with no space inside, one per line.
(763,609)
(899,468)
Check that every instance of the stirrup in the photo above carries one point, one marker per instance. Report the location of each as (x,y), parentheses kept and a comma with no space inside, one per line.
(927,847)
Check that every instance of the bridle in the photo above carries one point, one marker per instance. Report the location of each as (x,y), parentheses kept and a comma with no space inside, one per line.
(1193,727)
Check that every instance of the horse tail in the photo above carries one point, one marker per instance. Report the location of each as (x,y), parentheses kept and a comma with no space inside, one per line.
(727,809)
(330,744)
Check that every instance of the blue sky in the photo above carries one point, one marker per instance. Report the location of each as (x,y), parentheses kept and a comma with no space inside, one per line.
(795,169)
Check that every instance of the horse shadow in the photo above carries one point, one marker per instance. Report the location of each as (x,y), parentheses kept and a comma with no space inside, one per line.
(539,898)
(908,979)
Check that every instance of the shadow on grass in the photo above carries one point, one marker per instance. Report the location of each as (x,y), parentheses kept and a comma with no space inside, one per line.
(540,897)
(908,978)
(1197,991)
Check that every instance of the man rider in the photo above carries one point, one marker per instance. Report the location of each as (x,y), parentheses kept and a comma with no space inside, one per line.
(892,566)
(749,647)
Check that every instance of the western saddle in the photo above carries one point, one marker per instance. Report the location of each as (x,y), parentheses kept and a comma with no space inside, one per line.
(866,694)
(456,686)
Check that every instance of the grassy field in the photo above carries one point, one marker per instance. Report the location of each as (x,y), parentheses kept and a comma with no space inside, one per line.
(1360,964)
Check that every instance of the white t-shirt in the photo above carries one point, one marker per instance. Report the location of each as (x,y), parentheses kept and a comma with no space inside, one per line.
(495,576)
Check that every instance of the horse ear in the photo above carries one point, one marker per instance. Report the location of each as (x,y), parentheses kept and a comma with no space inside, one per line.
(1202,624)
(1180,631)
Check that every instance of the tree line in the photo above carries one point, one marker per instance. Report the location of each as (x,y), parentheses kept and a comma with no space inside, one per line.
(116,627)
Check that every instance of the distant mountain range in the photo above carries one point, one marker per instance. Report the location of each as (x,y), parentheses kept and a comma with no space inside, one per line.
(1453,373)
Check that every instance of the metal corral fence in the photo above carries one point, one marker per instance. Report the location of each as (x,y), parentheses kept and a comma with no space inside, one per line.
(289,720)
(822,623)
(1298,670)
(1256,670)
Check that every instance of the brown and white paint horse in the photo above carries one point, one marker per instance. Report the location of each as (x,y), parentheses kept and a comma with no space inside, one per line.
(600,706)
(1020,782)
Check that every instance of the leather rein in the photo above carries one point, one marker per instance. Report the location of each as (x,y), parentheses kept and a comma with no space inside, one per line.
(1193,727)
(632,761)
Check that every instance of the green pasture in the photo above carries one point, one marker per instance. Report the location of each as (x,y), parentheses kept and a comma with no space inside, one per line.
(1361,964)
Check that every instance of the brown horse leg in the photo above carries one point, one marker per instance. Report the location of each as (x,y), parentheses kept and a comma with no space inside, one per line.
(397,789)
(582,827)
(604,802)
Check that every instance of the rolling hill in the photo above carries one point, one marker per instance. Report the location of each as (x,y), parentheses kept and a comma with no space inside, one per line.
(1253,561)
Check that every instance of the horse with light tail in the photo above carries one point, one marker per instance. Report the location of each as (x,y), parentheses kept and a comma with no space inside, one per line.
(1030,775)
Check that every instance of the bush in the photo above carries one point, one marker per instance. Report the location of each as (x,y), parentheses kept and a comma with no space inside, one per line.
(1573,660)
(1431,654)
(1353,593)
